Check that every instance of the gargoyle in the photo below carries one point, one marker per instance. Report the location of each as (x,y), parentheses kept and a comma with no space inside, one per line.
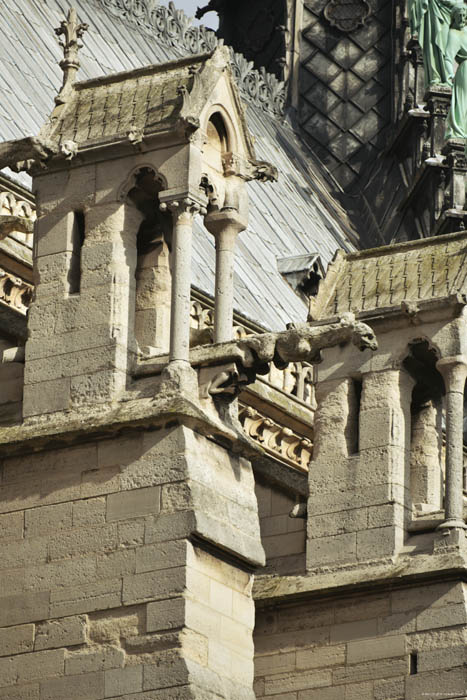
(304,342)
(212,6)
(253,354)
(265,172)
(31,148)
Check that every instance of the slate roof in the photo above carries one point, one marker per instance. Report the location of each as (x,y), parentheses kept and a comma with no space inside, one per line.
(416,271)
(295,216)
(146,100)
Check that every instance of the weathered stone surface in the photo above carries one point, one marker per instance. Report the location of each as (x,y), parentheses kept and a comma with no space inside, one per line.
(64,632)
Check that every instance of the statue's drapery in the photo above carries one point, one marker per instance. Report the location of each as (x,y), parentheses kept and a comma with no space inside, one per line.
(456,123)
(430,21)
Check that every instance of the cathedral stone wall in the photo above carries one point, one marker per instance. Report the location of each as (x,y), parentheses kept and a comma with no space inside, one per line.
(400,644)
(282,536)
(104,591)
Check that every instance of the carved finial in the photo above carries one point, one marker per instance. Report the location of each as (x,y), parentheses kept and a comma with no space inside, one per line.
(72,31)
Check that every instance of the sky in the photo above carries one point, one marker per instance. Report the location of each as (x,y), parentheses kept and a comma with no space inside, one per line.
(189,6)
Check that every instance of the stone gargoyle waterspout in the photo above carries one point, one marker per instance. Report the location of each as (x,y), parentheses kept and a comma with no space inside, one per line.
(300,343)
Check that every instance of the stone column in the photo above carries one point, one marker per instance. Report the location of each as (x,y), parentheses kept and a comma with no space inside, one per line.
(225,225)
(454,372)
(183,213)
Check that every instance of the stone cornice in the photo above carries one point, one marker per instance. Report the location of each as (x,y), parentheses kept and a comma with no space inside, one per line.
(365,576)
(174,28)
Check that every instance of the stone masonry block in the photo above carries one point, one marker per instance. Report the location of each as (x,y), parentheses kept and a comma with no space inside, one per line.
(118,563)
(165,614)
(170,526)
(86,686)
(399,623)
(338,523)
(25,692)
(379,542)
(360,609)
(54,233)
(442,617)
(28,607)
(89,511)
(161,556)
(153,585)
(392,689)
(370,671)
(97,595)
(119,451)
(332,549)
(440,659)
(290,682)
(170,670)
(348,631)
(11,526)
(46,397)
(85,540)
(41,521)
(359,691)
(16,640)
(97,482)
(40,665)
(366,650)
(436,684)
(93,659)
(275,663)
(381,427)
(120,681)
(320,657)
(433,596)
(64,632)
(73,364)
(329,693)
(133,504)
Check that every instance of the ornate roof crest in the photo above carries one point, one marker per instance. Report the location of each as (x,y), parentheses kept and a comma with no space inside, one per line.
(174,28)
(72,31)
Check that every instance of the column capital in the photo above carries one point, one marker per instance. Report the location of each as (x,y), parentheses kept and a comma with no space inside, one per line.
(225,221)
(454,372)
(181,206)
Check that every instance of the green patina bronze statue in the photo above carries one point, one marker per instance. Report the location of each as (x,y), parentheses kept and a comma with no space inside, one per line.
(456,51)
(430,21)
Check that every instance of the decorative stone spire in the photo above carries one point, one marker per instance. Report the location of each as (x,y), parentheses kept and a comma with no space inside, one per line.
(72,31)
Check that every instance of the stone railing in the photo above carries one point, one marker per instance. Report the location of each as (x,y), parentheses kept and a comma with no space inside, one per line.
(277,440)
(174,28)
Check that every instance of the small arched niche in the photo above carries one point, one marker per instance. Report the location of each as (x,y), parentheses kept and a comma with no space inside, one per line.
(153,274)
(217,142)
(426,434)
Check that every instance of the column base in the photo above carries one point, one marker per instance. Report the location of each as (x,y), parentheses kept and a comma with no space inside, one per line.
(452,523)
(180,377)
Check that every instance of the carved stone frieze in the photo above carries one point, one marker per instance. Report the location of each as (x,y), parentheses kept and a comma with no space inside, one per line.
(279,441)
(16,218)
(174,28)
(15,292)
(10,205)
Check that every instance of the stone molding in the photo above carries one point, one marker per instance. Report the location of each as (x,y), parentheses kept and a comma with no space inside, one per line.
(278,441)
(174,28)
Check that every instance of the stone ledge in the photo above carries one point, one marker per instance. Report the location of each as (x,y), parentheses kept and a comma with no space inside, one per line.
(66,427)
(397,571)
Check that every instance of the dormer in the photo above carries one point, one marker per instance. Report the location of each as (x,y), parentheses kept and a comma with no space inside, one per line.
(121,168)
